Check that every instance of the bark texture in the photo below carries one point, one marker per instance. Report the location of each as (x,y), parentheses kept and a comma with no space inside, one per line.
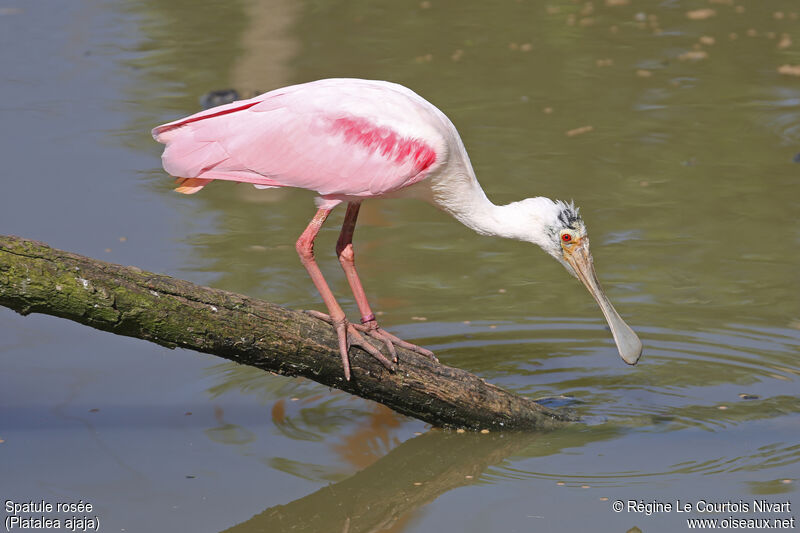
(125,300)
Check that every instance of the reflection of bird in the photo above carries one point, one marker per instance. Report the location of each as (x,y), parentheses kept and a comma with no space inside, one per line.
(350,140)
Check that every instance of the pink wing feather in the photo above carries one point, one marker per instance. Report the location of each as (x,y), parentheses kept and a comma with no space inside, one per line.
(341,138)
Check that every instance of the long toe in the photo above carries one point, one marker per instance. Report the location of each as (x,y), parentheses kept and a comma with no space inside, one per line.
(341,332)
(349,335)
(391,341)
(356,339)
(320,315)
(389,346)
(414,348)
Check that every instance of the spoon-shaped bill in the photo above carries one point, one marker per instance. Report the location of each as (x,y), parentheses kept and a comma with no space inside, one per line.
(628,343)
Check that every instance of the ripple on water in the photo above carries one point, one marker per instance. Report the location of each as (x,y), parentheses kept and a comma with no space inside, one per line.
(776,456)
(690,387)
(711,379)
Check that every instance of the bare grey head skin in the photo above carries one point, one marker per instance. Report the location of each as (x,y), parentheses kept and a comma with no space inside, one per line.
(564,237)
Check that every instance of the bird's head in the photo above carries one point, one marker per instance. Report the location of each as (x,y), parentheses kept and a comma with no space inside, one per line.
(563,235)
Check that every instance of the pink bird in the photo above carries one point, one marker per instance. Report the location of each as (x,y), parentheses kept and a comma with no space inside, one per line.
(349,140)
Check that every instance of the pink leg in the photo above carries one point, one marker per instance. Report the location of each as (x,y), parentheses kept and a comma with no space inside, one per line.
(346,332)
(344,249)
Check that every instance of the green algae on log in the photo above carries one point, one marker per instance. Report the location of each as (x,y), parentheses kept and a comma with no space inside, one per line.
(125,300)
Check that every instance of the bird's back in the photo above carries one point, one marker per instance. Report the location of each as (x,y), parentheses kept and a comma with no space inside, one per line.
(344,138)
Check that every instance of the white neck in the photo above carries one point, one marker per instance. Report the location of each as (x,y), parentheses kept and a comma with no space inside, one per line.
(462,196)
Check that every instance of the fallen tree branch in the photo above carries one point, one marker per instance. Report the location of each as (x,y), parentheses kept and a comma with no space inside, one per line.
(35,278)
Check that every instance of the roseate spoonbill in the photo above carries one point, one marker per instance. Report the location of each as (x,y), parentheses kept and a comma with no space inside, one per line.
(349,140)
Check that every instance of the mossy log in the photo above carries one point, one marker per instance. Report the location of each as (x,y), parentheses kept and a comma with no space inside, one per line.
(125,300)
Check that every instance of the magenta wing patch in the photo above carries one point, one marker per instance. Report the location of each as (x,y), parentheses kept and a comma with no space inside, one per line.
(385,141)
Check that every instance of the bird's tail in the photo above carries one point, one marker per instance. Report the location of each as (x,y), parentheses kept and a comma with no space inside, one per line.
(195,154)
(190,185)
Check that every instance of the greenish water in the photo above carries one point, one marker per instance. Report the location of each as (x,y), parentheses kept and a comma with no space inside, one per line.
(686,181)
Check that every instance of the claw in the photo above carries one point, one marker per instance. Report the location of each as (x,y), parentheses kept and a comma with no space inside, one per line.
(349,336)
(376,332)
(390,347)
(357,340)
(318,314)
(372,329)
(344,346)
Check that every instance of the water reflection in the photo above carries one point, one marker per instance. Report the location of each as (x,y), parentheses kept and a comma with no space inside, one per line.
(694,382)
(387,494)
(227,433)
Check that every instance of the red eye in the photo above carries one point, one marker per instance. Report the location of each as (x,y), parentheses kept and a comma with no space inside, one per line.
(566,237)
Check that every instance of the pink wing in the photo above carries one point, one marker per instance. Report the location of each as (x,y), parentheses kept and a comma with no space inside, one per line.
(345,139)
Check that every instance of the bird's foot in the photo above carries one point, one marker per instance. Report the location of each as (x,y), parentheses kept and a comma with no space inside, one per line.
(372,329)
(349,336)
